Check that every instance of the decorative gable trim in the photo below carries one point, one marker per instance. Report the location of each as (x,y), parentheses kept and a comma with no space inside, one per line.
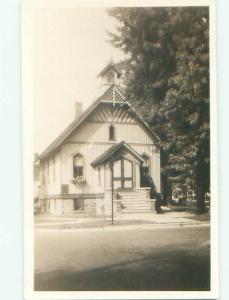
(113,95)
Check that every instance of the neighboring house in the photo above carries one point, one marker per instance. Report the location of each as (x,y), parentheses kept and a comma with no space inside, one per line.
(36,180)
(107,152)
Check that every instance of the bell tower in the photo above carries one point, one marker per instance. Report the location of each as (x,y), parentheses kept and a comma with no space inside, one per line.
(110,74)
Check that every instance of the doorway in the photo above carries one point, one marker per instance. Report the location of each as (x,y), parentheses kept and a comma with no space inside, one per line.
(123,174)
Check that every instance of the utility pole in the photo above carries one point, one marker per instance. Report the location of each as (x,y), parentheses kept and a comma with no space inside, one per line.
(112,194)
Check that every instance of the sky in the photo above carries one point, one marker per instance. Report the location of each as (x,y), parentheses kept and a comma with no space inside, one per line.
(70,48)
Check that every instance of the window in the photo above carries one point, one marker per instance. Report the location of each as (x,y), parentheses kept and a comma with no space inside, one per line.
(144,171)
(78,204)
(64,188)
(145,165)
(78,165)
(111,133)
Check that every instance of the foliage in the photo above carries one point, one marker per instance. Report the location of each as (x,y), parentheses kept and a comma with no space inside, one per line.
(168,82)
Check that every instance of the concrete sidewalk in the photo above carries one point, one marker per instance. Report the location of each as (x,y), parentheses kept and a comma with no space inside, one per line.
(168,218)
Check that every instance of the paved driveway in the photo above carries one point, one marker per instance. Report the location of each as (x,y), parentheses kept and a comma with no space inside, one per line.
(171,258)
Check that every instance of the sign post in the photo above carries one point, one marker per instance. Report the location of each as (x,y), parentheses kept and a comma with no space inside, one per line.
(112,194)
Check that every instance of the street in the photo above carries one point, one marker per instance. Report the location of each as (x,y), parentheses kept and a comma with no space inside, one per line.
(150,258)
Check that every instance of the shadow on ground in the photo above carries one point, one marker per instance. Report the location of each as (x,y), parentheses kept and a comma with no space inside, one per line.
(173,270)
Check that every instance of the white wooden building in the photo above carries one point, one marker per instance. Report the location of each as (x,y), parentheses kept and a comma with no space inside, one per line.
(107,150)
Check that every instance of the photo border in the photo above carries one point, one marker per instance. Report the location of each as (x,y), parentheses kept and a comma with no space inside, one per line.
(28,142)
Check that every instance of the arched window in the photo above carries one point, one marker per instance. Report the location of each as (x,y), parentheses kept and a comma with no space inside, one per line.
(144,171)
(78,165)
(111,133)
(146,160)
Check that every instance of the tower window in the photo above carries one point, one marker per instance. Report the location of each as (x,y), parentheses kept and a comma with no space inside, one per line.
(111,133)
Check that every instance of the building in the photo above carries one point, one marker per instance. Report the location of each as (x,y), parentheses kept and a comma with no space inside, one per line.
(106,155)
(36,182)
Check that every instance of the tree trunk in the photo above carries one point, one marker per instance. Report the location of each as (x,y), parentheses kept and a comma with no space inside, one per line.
(164,184)
(200,195)
(200,187)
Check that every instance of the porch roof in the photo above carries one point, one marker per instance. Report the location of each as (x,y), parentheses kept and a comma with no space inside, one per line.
(105,156)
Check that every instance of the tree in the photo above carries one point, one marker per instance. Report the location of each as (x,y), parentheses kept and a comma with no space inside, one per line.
(168,82)
(187,99)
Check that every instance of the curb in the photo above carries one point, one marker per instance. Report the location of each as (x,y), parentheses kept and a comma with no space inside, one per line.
(126,227)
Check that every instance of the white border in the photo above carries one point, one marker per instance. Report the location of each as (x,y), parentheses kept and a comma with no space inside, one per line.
(27,93)
(27,140)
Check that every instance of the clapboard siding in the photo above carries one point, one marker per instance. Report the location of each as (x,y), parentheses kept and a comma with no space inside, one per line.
(98,132)
(96,128)
(91,139)
(90,151)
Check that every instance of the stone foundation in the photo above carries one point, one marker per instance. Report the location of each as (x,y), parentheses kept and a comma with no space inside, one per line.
(65,207)
(137,200)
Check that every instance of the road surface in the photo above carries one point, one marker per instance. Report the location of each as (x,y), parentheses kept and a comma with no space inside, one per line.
(172,258)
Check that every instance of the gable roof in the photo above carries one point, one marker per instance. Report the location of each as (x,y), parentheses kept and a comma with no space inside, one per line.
(104,157)
(118,94)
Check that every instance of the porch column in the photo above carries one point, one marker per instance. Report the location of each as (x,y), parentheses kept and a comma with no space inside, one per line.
(107,174)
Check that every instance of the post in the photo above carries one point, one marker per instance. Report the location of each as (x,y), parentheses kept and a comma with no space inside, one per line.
(112,195)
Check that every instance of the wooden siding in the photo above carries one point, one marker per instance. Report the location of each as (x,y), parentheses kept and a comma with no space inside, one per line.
(96,129)
(91,140)
(64,169)
(99,133)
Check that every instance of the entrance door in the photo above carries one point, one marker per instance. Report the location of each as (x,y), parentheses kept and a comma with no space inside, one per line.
(123,174)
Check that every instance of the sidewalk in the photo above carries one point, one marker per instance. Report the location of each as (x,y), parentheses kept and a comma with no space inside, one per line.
(167,218)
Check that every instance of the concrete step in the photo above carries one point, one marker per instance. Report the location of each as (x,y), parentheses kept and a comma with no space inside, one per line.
(127,211)
(135,209)
(136,204)
(135,199)
(139,197)
(129,198)
(131,195)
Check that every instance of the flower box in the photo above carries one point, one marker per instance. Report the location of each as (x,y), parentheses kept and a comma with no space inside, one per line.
(79,180)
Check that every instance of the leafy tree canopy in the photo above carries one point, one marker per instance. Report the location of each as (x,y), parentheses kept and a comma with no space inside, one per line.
(168,81)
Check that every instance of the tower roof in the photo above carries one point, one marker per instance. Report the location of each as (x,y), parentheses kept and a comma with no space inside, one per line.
(111,66)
